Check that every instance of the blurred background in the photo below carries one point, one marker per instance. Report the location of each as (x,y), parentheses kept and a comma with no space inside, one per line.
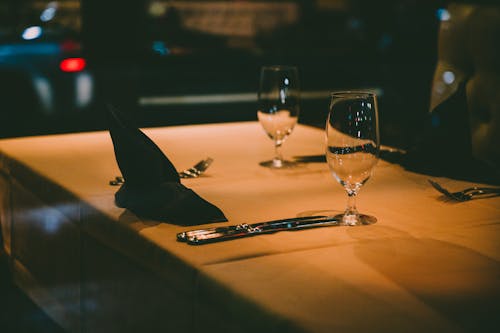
(184,61)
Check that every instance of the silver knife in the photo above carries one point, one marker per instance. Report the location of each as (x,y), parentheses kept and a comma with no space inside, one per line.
(210,235)
(183,236)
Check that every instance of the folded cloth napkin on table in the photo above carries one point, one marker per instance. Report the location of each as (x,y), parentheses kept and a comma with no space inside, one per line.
(152,187)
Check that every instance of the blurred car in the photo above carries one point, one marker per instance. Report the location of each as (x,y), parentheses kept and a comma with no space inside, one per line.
(42,70)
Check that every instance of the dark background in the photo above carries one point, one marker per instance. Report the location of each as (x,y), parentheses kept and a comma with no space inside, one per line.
(387,45)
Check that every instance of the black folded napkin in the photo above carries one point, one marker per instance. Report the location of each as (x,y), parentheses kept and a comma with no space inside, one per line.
(152,187)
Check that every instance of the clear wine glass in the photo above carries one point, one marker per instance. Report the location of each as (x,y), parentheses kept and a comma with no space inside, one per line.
(278,107)
(353,144)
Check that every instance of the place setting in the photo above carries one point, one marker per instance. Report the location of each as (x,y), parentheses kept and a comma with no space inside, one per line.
(352,146)
(150,185)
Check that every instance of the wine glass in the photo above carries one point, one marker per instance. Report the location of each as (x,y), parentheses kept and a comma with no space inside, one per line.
(353,144)
(278,107)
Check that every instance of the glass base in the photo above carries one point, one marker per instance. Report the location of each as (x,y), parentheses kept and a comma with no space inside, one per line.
(278,164)
(355,220)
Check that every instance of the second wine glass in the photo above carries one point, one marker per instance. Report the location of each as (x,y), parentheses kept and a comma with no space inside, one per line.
(278,107)
(353,144)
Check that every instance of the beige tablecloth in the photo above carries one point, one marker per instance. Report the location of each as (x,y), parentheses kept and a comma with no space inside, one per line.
(427,265)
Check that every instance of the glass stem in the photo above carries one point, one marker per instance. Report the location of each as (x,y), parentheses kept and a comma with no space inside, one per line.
(351,204)
(278,158)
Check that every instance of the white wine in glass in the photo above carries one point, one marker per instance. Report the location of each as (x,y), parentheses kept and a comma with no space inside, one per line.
(278,107)
(353,144)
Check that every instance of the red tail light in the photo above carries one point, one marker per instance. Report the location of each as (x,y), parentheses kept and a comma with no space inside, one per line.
(72,65)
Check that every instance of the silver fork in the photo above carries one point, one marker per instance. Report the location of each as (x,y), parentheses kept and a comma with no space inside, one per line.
(467,194)
(197,169)
(193,172)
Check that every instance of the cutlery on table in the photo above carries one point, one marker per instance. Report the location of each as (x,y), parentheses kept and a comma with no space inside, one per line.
(193,172)
(474,192)
(197,169)
(210,235)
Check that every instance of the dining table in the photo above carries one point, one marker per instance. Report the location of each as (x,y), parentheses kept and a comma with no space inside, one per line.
(428,265)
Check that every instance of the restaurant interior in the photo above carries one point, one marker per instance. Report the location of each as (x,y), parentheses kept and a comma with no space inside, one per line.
(105,105)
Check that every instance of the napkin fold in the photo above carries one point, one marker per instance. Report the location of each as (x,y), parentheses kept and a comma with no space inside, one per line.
(152,186)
